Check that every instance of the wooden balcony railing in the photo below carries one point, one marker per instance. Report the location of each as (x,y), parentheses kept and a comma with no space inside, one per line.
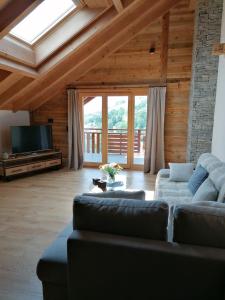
(117,140)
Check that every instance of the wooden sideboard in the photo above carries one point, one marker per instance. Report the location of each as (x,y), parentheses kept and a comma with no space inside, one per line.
(24,164)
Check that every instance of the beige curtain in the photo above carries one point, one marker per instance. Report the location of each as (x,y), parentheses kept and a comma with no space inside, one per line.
(154,148)
(75,151)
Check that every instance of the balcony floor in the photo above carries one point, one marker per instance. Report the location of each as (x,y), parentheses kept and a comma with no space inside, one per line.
(119,158)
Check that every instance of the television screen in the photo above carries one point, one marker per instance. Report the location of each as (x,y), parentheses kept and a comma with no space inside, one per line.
(31,138)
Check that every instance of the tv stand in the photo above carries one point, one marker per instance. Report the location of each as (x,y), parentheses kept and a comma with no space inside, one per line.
(22,164)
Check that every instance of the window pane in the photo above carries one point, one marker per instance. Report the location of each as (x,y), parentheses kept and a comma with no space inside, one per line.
(92,129)
(140,118)
(41,19)
(117,129)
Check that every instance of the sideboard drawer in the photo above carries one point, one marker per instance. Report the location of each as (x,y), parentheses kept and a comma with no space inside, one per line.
(16,170)
(54,162)
(37,166)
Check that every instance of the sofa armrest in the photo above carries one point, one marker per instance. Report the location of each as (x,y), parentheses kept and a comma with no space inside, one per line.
(164,173)
(103,266)
(202,225)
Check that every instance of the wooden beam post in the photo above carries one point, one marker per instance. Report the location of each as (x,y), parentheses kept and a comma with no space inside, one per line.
(118,5)
(164,46)
(218,49)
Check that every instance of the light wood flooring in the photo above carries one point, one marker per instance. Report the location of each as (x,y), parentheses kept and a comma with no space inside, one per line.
(33,210)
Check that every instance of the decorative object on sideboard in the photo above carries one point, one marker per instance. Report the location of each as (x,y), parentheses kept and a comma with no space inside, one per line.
(5,155)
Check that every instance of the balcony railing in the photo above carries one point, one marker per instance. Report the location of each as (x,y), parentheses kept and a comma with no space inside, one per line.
(117,140)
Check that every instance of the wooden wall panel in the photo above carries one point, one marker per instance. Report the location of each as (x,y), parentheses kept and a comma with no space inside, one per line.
(176,121)
(133,64)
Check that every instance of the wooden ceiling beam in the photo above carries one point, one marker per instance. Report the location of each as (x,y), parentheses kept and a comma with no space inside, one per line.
(4,74)
(97,3)
(61,63)
(125,26)
(9,81)
(71,28)
(13,12)
(11,66)
(118,5)
(19,85)
(16,50)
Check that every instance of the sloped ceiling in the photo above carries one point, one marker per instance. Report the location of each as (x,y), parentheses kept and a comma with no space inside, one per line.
(30,76)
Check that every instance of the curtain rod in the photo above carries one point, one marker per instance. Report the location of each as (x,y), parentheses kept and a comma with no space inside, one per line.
(127,84)
(115,86)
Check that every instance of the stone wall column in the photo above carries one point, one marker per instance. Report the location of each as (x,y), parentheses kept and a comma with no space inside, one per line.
(208,20)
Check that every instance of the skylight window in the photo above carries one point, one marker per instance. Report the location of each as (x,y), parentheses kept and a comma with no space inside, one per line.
(42,19)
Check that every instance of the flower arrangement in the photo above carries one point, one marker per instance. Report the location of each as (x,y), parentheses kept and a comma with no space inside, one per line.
(111,169)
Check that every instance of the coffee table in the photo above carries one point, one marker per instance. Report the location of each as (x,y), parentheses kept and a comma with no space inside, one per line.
(120,184)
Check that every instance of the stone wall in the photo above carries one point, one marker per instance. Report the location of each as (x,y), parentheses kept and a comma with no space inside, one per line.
(204,77)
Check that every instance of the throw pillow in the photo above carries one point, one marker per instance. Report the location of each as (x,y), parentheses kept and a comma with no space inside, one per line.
(206,192)
(198,177)
(137,218)
(180,171)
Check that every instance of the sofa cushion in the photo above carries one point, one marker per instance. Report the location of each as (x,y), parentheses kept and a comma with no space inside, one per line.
(180,171)
(172,192)
(218,177)
(199,225)
(198,177)
(138,218)
(137,195)
(209,162)
(206,192)
(52,266)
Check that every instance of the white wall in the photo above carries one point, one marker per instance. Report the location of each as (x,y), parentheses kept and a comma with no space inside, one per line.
(218,142)
(7,119)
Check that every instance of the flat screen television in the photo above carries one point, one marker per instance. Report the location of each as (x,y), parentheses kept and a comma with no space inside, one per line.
(31,138)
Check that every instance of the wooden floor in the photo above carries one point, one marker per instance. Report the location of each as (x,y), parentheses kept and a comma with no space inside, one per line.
(33,210)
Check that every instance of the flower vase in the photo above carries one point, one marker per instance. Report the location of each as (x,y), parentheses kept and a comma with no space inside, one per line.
(110,179)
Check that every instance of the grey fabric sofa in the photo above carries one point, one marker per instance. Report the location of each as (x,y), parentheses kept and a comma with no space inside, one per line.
(178,193)
(99,258)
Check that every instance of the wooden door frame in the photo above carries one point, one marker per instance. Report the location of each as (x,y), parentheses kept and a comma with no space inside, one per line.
(104,93)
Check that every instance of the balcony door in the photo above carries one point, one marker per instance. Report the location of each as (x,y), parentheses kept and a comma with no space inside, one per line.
(117,129)
(114,126)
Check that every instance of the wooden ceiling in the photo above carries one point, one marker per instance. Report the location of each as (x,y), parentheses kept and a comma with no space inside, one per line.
(33,75)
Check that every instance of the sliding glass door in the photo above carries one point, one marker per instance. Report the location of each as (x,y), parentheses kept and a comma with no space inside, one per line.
(114,128)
